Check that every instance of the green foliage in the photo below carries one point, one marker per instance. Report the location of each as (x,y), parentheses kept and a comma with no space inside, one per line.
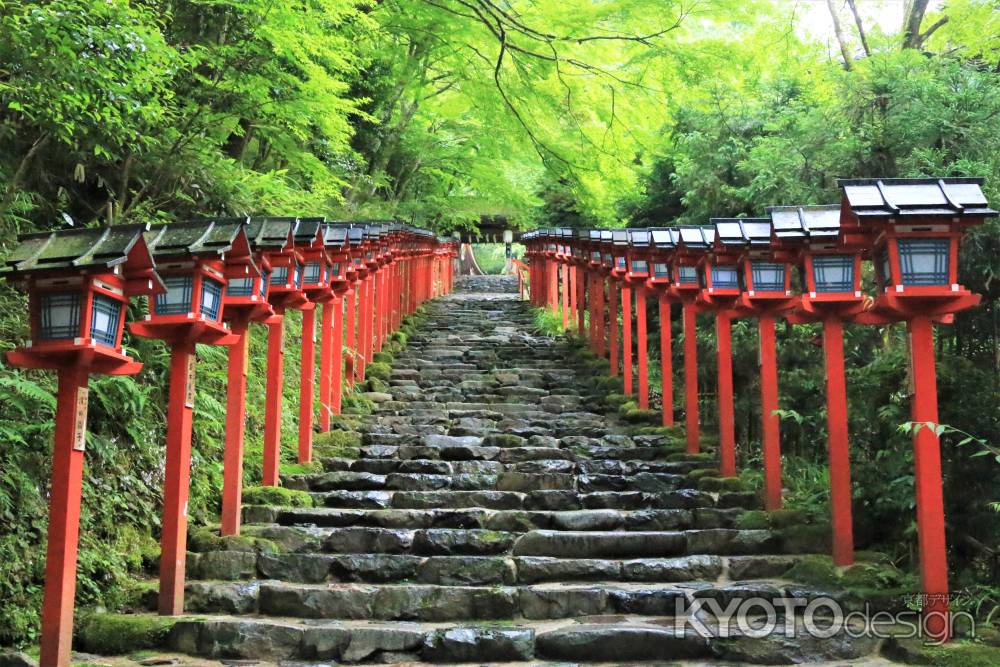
(277,496)
(337,444)
(548,323)
(379,370)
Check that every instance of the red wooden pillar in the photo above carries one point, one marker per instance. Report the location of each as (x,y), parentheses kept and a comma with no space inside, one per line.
(370,319)
(771,440)
(727,423)
(613,325)
(565,296)
(64,519)
(360,358)
(337,379)
(581,300)
(600,325)
(306,383)
(272,400)
(553,272)
(640,328)
(383,306)
(627,338)
(839,453)
(691,378)
(325,366)
(350,303)
(236,392)
(176,479)
(928,482)
(666,362)
(571,286)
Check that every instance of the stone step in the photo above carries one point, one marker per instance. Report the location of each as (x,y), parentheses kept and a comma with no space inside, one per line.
(650,482)
(427,602)
(536,460)
(316,568)
(504,520)
(512,454)
(532,500)
(623,638)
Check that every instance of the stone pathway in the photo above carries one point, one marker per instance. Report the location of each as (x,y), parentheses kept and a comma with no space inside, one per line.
(494,514)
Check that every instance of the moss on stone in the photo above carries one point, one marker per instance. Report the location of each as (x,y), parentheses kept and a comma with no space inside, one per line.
(720,484)
(379,370)
(206,538)
(337,444)
(117,634)
(374,384)
(812,537)
(382,358)
(354,404)
(954,654)
(814,569)
(641,416)
(753,520)
(606,382)
(276,496)
(399,338)
(503,440)
(615,400)
(301,468)
(867,576)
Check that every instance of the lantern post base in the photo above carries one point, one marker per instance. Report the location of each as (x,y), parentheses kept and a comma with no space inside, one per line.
(272,408)
(691,426)
(839,452)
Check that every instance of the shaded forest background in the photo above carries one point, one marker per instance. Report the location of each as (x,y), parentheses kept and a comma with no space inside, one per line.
(577,113)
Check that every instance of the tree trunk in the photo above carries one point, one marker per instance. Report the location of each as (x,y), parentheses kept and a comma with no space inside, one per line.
(861,27)
(839,32)
(911,23)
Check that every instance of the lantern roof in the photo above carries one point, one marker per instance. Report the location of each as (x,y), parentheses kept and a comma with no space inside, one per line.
(696,236)
(86,248)
(270,232)
(664,238)
(566,232)
(212,236)
(595,235)
(583,234)
(639,237)
(800,222)
(335,235)
(606,236)
(742,231)
(356,234)
(308,230)
(619,236)
(907,197)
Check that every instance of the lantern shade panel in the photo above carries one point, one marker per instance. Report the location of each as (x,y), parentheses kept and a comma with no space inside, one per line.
(924,261)
(768,276)
(59,315)
(725,277)
(177,299)
(833,273)
(105,319)
(211,298)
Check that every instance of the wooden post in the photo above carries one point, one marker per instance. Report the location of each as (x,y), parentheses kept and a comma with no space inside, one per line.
(839,452)
(928,482)
(236,404)
(64,517)
(272,400)
(350,304)
(727,423)
(691,377)
(600,326)
(613,325)
(627,338)
(306,383)
(581,300)
(337,379)
(770,435)
(666,362)
(565,296)
(325,366)
(176,479)
(641,334)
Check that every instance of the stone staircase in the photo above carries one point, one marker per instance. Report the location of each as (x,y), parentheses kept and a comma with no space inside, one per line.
(494,514)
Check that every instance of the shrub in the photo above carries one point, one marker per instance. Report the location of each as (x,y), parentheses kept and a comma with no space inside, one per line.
(276,496)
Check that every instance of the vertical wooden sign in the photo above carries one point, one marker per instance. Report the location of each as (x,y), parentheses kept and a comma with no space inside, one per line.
(80,420)
(189,390)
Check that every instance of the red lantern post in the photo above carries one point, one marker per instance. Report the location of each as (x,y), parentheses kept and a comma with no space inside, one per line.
(765,279)
(273,237)
(663,243)
(830,256)
(720,293)
(78,283)
(917,225)
(636,275)
(692,244)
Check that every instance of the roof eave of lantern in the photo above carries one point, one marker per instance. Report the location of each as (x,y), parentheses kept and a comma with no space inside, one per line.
(898,200)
